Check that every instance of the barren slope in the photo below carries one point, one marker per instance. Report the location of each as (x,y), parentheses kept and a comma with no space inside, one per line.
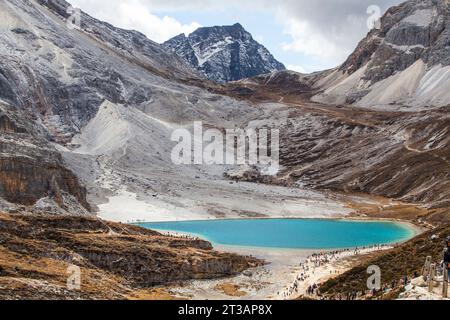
(116,261)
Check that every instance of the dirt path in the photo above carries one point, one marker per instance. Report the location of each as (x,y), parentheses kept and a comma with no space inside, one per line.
(430,152)
(327,266)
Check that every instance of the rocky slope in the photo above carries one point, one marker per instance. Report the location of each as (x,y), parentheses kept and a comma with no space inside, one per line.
(110,99)
(115,132)
(225,53)
(116,261)
(407,259)
(401,155)
(62,75)
(404,64)
(97,107)
(32,171)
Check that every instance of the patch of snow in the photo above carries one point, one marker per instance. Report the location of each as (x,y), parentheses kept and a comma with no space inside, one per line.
(205,56)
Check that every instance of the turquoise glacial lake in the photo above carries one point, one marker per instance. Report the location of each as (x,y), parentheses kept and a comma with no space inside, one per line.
(290,233)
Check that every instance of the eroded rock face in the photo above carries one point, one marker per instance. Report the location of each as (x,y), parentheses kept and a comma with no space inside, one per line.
(378,154)
(413,30)
(400,155)
(223,54)
(405,64)
(115,259)
(62,77)
(30,168)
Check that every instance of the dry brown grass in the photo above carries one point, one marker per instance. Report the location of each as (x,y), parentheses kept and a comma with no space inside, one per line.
(36,251)
(406,259)
(384,208)
(231,290)
(156,294)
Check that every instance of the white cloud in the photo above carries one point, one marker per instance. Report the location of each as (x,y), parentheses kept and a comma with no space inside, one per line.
(296,68)
(310,43)
(325,30)
(136,15)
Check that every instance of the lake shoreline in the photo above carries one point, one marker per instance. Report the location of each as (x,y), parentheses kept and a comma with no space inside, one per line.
(282,268)
(273,280)
(411,227)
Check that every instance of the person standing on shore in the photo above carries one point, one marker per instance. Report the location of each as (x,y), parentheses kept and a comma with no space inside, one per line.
(447,256)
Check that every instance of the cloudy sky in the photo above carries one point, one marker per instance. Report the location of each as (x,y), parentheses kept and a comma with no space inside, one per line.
(306,35)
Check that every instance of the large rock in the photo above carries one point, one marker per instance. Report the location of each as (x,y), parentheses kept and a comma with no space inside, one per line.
(30,167)
(115,260)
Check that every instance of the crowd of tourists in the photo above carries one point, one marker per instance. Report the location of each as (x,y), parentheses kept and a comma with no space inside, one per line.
(310,266)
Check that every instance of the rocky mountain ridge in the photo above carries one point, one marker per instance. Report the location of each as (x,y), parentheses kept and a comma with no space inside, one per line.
(64,75)
(224,53)
(86,119)
(32,171)
(405,64)
(110,106)
(115,261)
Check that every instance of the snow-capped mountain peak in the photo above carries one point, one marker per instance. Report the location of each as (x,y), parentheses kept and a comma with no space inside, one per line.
(224,53)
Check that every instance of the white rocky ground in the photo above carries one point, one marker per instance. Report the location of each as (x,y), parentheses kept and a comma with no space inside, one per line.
(416,88)
(402,65)
(122,96)
(263,283)
(275,280)
(124,157)
(418,290)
